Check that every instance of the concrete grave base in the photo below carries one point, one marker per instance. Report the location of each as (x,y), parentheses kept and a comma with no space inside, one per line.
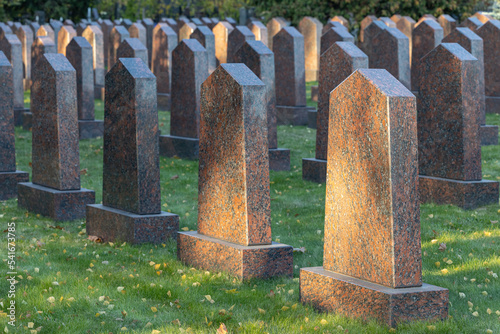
(314,170)
(312,116)
(8,183)
(465,194)
(286,115)
(489,135)
(163,101)
(111,224)
(18,115)
(332,292)
(492,104)
(314,93)
(182,147)
(99,93)
(27,119)
(245,262)
(90,128)
(279,159)
(56,204)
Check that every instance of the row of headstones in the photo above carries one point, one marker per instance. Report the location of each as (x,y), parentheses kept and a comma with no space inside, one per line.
(372,229)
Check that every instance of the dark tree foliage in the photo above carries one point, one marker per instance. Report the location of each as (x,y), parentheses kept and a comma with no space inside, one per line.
(20,9)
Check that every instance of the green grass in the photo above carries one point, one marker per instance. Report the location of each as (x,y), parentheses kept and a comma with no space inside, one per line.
(86,298)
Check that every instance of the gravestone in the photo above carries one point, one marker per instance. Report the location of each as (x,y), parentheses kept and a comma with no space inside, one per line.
(231,21)
(46,30)
(116,37)
(375,28)
(311,28)
(448,130)
(11,46)
(149,25)
(80,27)
(186,30)
(79,54)
(490,33)
(372,262)
(206,37)
(364,24)
(131,201)
(56,25)
(290,77)
(243,16)
(274,26)
(387,21)
(473,23)
(207,22)
(34,26)
(164,42)
(69,22)
(395,18)
(221,32)
(260,60)
(196,21)
(106,27)
(234,212)
(66,33)
(337,63)
(448,24)
(55,188)
(138,31)
(474,45)
(406,25)
(391,51)
(25,36)
(189,71)
(127,23)
(236,39)
(9,175)
(342,20)
(132,48)
(426,17)
(260,31)
(426,36)
(333,35)
(483,17)
(94,36)
(333,24)
(172,24)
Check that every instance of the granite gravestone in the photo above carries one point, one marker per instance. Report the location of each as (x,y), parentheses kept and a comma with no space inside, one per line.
(406,25)
(164,42)
(189,71)
(490,33)
(94,36)
(106,27)
(186,30)
(206,37)
(333,24)
(260,31)
(448,130)
(132,48)
(473,23)
(221,32)
(46,30)
(116,37)
(342,20)
(483,17)
(364,24)
(274,26)
(137,30)
(234,211)
(387,21)
(311,28)
(55,188)
(25,36)
(375,28)
(448,24)
(131,201)
(333,35)
(372,265)
(66,33)
(236,39)
(149,25)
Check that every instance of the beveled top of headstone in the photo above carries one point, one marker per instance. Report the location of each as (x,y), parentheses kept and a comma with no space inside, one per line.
(81,42)
(490,33)
(69,22)
(127,23)
(147,22)
(231,21)
(341,19)
(45,30)
(395,18)
(206,21)
(387,21)
(372,216)
(56,24)
(483,17)
(5,30)
(426,17)
(196,21)
(463,33)
(473,23)
(333,35)
(203,30)
(46,41)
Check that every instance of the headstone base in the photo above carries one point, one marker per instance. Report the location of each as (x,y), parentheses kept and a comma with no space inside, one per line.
(314,170)
(311,75)
(465,194)
(489,135)
(90,128)
(27,119)
(245,262)
(312,116)
(163,101)
(279,159)
(314,93)
(56,204)
(492,104)
(111,224)
(18,115)
(353,297)
(8,183)
(99,92)
(182,147)
(286,115)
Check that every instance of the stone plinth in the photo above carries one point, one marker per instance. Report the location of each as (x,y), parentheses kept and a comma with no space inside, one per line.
(490,33)
(234,212)
(116,37)
(206,37)
(311,28)
(221,32)
(426,36)
(164,42)
(236,39)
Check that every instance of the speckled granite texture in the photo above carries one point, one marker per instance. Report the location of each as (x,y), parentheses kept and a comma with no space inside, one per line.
(332,35)
(106,27)
(369,33)
(311,28)
(41,45)
(65,35)
(206,37)
(448,24)
(221,32)
(132,48)
(274,26)
(490,33)
(426,36)
(260,31)
(236,39)
(137,30)
(90,129)
(164,42)
(406,25)
(333,24)
(364,24)
(473,23)
(95,37)
(25,35)
(11,46)
(116,37)
(186,30)
(149,25)
(9,182)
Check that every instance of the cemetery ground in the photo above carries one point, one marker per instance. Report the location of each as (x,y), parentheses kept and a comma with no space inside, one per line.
(70,284)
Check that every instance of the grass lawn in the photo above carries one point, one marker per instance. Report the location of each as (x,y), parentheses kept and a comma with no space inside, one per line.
(69,284)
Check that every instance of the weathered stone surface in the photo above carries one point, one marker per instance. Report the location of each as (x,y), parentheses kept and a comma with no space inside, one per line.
(236,39)
(426,36)
(448,24)
(221,32)
(94,36)
(333,35)
(132,48)
(66,33)
(25,35)
(55,150)
(7,136)
(473,23)
(274,26)
(311,28)
(106,27)
(164,42)
(46,30)
(149,25)
(490,33)
(364,24)
(79,54)
(131,171)
(387,21)
(372,255)
(116,37)
(186,30)
(234,221)
(375,28)
(206,37)
(11,46)
(137,30)
(260,31)
(391,51)
(289,67)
